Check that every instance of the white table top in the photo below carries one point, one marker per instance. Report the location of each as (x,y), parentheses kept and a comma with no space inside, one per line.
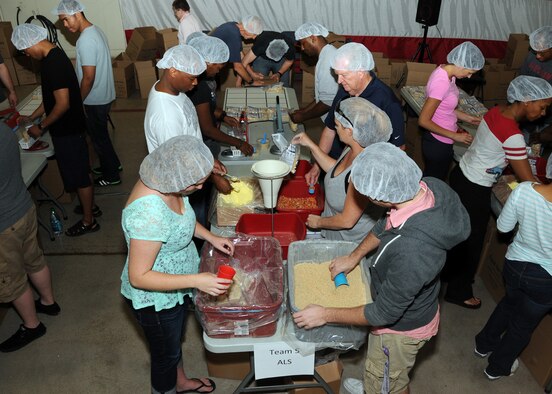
(31,166)
(25,108)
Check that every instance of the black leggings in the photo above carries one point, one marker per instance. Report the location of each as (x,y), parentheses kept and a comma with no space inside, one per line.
(437,156)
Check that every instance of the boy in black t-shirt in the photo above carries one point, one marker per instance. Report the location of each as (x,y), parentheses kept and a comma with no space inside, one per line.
(62,104)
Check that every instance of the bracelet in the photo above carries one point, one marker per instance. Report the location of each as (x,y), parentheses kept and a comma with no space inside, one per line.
(222,116)
(279,73)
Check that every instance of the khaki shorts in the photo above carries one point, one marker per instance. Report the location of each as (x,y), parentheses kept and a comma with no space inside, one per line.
(402,356)
(19,255)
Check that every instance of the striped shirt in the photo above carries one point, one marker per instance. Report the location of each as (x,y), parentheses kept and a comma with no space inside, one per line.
(533,240)
(497,141)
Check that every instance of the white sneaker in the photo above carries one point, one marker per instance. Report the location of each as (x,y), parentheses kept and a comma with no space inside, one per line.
(353,386)
(479,354)
(515,366)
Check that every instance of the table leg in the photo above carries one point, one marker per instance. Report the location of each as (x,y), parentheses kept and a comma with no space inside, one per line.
(47,228)
(51,198)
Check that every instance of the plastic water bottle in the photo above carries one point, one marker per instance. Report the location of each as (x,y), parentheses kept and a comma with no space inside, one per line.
(55,223)
(243,126)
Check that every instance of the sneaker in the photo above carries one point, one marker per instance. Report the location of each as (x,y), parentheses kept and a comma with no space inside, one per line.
(22,338)
(104,182)
(514,368)
(353,386)
(480,354)
(52,310)
(99,171)
(96,211)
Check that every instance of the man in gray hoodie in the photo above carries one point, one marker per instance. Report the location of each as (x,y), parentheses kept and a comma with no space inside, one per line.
(425,218)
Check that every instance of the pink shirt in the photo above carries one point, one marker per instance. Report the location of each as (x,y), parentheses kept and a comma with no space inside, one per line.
(440,87)
(396,217)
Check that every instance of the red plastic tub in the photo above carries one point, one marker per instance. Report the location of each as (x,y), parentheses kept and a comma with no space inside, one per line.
(288,227)
(303,166)
(298,188)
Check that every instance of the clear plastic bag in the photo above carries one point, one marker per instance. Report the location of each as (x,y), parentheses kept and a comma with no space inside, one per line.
(245,198)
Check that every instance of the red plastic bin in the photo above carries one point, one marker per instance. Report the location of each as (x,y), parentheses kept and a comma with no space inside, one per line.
(298,188)
(303,166)
(288,227)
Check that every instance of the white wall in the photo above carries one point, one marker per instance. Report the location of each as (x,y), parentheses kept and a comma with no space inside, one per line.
(103,13)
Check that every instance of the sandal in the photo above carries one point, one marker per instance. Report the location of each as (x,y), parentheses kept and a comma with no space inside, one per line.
(202,385)
(463,303)
(80,229)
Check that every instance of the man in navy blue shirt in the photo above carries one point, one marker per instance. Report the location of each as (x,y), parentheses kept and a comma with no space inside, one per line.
(353,64)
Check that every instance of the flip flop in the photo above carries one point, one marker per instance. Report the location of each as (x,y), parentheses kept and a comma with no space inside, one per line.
(463,304)
(201,385)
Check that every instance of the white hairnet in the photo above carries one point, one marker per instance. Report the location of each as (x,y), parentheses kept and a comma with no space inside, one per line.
(466,55)
(353,57)
(176,164)
(68,7)
(212,49)
(310,29)
(193,35)
(369,123)
(26,35)
(252,24)
(525,88)
(384,172)
(183,58)
(541,39)
(276,49)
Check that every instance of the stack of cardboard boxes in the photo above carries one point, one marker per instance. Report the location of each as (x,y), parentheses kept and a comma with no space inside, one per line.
(23,69)
(135,67)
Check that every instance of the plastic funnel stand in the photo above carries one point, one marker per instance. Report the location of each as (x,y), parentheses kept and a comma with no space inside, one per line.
(226,272)
(341,279)
(271,174)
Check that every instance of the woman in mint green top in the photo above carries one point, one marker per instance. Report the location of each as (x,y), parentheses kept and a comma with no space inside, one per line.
(162,263)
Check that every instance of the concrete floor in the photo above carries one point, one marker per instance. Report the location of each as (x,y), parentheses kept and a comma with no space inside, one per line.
(94,345)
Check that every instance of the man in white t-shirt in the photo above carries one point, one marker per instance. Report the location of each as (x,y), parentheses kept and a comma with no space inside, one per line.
(187,22)
(311,36)
(95,75)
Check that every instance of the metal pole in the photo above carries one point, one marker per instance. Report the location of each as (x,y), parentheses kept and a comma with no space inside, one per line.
(272,206)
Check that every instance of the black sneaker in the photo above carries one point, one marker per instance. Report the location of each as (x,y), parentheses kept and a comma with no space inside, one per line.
(96,211)
(101,181)
(22,338)
(51,310)
(99,171)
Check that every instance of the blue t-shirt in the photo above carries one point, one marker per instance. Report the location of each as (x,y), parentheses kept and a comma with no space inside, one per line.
(149,218)
(230,34)
(379,94)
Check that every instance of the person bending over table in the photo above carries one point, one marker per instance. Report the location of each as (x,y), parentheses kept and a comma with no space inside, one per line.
(425,218)
(348,215)
(440,114)
(162,264)
(498,142)
(187,22)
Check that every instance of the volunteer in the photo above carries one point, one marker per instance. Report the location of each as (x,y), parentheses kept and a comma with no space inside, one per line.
(348,215)
(187,22)
(498,143)
(439,113)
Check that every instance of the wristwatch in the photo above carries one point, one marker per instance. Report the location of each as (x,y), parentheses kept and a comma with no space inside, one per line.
(279,73)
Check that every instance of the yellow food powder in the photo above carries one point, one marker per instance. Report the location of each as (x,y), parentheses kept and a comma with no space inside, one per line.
(314,285)
(242,194)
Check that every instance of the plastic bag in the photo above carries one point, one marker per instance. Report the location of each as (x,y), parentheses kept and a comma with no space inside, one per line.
(246,197)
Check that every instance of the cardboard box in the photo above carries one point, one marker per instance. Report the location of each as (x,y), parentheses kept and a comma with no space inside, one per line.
(123,76)
(307,89)
(166,39)
(330,372)
(413,136)
(537,356)
(492,261)
(336,40)
(11,69)
(145,77)
(228,365)
(398,68)
(27,70)
(142,44)
(516,50)
(417,74)
(383,69)
(7,50)
(497,78)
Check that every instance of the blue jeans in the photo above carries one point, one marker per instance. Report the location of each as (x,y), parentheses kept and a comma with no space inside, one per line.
(96,123)
(264,66)
(528,299)
(163,331)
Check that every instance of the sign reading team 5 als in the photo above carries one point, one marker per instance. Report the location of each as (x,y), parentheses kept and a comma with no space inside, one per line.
(279,359)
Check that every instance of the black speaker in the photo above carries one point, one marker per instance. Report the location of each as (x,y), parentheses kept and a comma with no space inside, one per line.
(428,12)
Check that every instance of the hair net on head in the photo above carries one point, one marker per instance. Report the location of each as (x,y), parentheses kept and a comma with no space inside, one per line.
(176,164)
(384,172)
(525,88)
(369,123)
(252,24)
(183,58)
(212,49)
(541,39)
(353,57)
(68,7)
(310,29)
(466,55)
(276,49)
(193,35)
(26,35)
